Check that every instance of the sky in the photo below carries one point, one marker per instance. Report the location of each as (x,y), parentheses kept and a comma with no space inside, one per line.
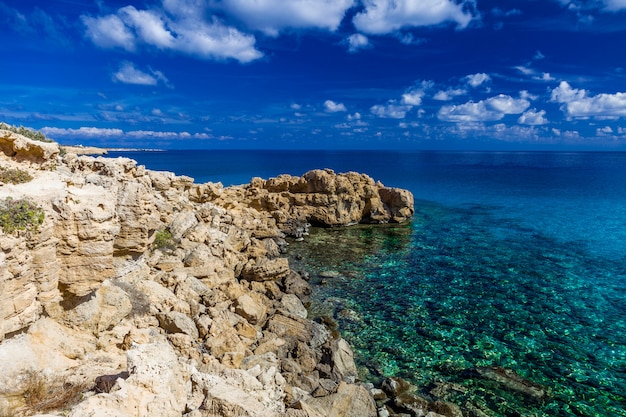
(317,74)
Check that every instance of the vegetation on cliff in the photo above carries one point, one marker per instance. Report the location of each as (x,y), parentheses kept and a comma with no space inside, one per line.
(14,176)
(24,131)
(20,214)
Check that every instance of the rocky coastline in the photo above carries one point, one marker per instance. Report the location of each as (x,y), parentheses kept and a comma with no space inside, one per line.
(142,293)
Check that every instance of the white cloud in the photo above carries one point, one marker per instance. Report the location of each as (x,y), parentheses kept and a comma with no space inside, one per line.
(82,132)
(355,116)
(128,74)
(109,32)
(449,94)
(96,132)
(390,110)
(492,109)
(413,96)
(356,42)
(295,106)
(386,16)
(183,31)
(525,70)
(395,109)
(478,79)
(149,26)
(507,104)
(533,117)
(332,107)
(579,104)
(272,16)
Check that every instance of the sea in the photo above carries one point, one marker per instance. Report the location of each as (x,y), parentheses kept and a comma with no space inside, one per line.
(513,261)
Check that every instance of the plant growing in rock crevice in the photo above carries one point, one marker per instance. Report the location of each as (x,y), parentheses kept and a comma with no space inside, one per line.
(22,214)
(163,240)
(41,394)
(14,176)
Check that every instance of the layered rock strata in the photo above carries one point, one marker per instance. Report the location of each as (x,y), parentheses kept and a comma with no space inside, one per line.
(158,296)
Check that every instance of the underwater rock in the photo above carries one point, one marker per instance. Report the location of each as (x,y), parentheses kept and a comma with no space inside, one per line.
(511,381)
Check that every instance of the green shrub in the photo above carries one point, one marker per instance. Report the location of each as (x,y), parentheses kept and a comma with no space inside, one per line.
(24,131)
(20,214)
(14,176)
(163,240)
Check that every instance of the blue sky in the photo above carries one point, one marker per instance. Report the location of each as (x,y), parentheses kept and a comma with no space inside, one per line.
(317,74)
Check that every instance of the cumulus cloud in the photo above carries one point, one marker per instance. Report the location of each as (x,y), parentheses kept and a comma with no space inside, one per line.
(128,74)
(332,107)
(356,42)
(386,16)
(449,94)
(184,31)
(109,32)
(397,109)
(491,109)
(413,96)
(475,80)
(149,26)
(390,110)
(579,104)
(533,117)
(272,16)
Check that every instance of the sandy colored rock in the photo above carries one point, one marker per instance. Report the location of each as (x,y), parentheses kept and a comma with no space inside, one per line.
(349,401)
(212,323)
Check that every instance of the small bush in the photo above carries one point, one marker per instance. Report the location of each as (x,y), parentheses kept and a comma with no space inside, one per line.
(20,215)
(42,395)
(163,240)
(24,131)
(14,176)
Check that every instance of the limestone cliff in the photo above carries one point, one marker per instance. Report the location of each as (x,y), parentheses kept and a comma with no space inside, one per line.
(158,296)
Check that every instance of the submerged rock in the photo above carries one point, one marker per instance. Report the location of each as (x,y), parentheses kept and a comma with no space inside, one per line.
(511,381)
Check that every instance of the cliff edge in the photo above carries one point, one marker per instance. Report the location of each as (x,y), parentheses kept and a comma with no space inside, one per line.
(137,293)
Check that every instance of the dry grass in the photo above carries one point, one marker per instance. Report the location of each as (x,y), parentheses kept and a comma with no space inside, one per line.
(41,395)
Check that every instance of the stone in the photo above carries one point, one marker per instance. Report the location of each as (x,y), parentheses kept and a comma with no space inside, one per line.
(293,305)
(175,322)
(511,381)
(344,368)
(251,310)
(266,269)
(157,385)
(349,401)
(109,305)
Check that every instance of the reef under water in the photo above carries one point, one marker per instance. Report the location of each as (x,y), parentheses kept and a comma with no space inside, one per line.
(462,296)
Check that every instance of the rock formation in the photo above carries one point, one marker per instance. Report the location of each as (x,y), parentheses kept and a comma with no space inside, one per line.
(152,295)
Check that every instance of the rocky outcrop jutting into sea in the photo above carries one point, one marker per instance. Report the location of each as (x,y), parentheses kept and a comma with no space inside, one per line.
(142,293)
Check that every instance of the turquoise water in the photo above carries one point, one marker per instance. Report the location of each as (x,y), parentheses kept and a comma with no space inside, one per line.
(516,260)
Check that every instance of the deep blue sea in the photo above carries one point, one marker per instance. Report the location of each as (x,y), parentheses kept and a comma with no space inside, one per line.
(513,259)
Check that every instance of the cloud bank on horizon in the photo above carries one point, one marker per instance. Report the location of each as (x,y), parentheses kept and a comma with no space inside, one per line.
(414,74)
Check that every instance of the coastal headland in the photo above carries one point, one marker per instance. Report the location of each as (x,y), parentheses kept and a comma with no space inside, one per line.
(130,292)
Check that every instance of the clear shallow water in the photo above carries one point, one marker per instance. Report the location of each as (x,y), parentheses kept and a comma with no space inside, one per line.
(513,259)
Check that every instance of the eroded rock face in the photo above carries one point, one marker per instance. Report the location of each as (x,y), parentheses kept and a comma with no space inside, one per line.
(23,149)
(210,322)
(322,197)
